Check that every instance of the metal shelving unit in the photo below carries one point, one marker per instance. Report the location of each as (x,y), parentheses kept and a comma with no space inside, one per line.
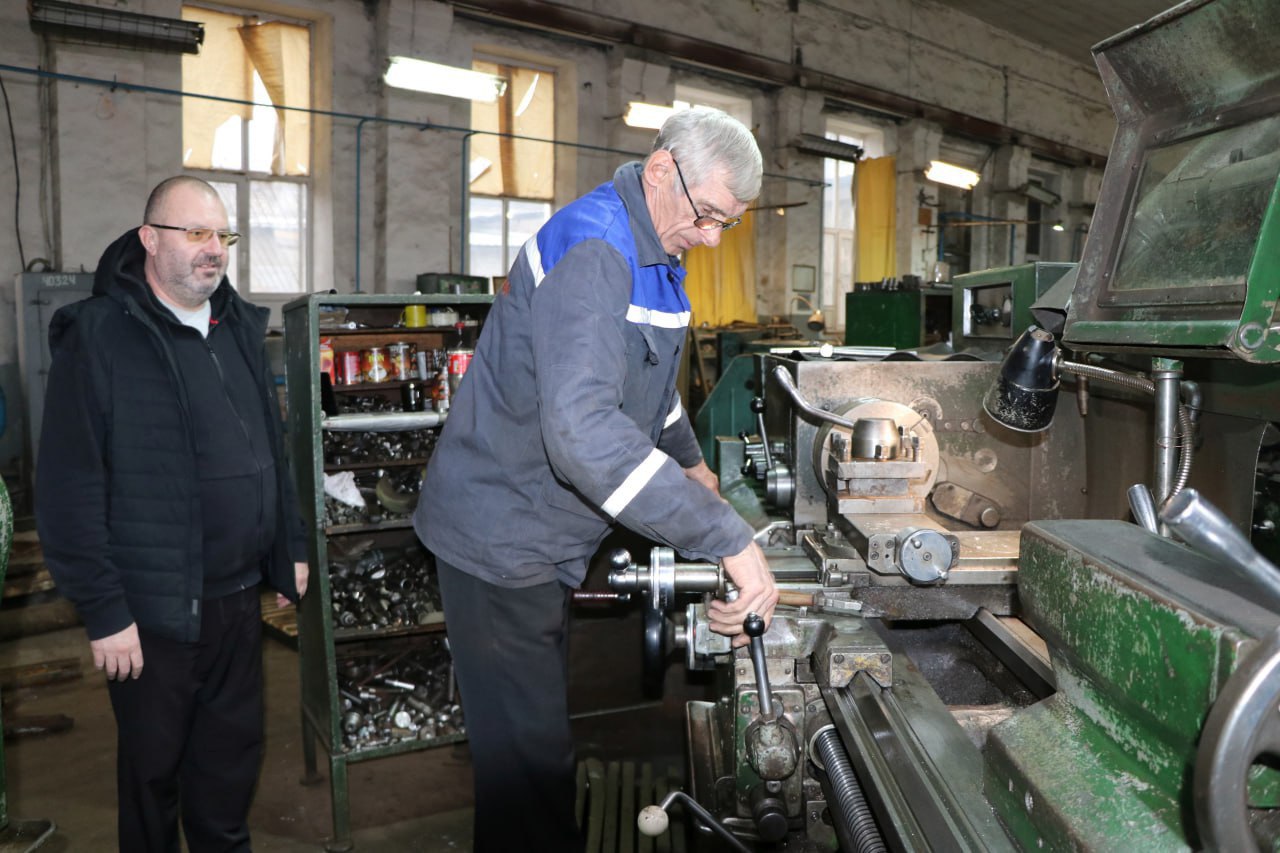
(326,649)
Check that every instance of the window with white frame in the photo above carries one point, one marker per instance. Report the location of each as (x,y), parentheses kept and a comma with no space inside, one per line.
(511,175)
(838,214)
(257,155)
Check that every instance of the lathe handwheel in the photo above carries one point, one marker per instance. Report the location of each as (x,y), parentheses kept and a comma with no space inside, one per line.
(654,656)
(1243,726)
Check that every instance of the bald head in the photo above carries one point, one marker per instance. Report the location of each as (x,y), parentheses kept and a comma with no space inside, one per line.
(157,202)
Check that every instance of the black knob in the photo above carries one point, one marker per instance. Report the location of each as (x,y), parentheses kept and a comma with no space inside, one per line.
(771,820)
(753,625)
(757,404)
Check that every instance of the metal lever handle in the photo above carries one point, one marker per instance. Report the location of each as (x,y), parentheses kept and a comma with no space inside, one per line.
(757,406)
(653,820)
(1143,507)
(753,626)
(781,374)
(1204,527)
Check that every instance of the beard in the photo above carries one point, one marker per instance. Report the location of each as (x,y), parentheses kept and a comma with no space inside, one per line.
(190,284)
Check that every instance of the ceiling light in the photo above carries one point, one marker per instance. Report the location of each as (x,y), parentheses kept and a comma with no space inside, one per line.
(955,176)
(406,73)
(1038,192)
(1058,226)
(650,116)
(833,148)
(104,25)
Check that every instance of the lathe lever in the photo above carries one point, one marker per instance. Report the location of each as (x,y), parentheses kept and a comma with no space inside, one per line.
(653,820)
(754,628)
(1207,529)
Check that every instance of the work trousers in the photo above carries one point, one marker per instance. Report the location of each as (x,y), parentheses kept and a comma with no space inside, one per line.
(511,657)
(190,734)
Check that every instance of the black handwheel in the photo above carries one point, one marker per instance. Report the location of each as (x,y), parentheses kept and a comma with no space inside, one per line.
(655,652)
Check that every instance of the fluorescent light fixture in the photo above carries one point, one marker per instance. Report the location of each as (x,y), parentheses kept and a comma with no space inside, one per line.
(651,116)
(811,143)
(436,79)
(955,176)
(85,24)
(1037,192)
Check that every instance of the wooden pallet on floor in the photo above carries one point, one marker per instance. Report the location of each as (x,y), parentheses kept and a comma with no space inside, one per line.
(279,622)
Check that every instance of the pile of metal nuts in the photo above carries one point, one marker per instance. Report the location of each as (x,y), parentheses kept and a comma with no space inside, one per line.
(351,448)
(409,695)
(384,588)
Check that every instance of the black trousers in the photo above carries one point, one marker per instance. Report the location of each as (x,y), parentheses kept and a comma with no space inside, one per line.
(190,734)
(511,656)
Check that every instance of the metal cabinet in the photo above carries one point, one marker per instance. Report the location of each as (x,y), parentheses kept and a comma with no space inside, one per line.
(358,630)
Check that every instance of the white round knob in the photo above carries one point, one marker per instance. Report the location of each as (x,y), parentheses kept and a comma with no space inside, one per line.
(652,821)
(826,350)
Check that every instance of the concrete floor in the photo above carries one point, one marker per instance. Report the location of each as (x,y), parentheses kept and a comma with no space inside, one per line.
(419,801)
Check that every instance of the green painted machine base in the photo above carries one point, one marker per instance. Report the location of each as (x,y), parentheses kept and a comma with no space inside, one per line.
(1143,634)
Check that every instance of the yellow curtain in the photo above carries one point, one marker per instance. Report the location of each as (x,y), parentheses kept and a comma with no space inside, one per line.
(722,281)
(503,166)
(282,55)
(875,208)
(211,72)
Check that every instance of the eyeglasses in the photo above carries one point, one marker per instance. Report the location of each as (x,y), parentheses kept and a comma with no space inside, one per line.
(702,223)
(202,235)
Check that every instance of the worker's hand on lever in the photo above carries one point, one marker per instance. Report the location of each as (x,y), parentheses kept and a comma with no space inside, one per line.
(119,655)
(757,593)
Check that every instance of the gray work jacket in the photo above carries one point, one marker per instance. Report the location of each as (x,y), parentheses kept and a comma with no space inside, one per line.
(568,420)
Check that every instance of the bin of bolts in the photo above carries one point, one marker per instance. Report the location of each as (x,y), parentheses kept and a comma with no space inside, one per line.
(363,448)
(391,698)
(384,588)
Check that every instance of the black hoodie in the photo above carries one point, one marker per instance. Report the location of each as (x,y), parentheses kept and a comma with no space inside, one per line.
(161,476)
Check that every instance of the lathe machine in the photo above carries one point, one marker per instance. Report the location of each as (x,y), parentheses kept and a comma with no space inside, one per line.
(1012,621)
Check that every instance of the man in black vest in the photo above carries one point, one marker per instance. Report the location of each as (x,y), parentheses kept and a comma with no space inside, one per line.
(163,502)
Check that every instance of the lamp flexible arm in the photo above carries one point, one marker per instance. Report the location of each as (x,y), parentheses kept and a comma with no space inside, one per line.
(1186,427)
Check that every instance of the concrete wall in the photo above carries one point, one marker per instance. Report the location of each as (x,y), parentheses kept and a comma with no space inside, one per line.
(87,155)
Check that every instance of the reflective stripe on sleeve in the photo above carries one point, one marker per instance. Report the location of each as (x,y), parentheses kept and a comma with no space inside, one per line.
(533,257)
(674,416)
(653,317)
(636,480)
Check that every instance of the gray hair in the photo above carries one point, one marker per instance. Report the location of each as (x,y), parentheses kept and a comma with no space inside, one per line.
(708,143)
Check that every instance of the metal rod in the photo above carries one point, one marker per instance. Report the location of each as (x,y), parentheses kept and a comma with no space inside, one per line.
(705,816)
(1166,375)
(1143,507)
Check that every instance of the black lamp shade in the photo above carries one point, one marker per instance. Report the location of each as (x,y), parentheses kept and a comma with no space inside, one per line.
(1025,394)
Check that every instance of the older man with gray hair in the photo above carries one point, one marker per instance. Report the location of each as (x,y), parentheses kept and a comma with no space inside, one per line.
(568,423)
